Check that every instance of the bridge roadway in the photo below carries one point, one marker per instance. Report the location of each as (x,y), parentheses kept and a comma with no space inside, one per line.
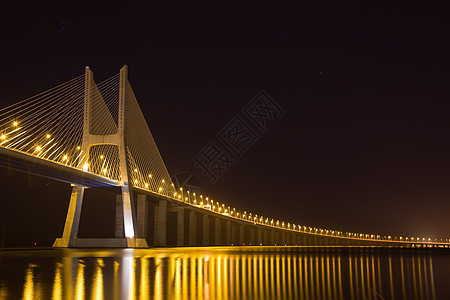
(195,225)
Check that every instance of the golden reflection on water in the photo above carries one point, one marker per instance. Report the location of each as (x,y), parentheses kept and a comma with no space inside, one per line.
(226,273)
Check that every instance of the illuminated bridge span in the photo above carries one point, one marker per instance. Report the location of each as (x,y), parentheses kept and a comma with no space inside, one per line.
(95,135)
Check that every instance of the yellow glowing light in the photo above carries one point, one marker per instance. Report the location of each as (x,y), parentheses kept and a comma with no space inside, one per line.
(38,148)
(146,185)
(78,147)
(15,123)
(160,189)
(163,181)
(3,136)
(104,171)
(135,181)
(85,167)
(48,136)
(65,157)
(150,175)
(135,170)
(101,156)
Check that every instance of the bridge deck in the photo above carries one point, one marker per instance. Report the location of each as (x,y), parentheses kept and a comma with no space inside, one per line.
(24,162)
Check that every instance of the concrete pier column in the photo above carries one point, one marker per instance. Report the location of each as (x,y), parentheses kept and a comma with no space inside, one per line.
(272,237)
(233,234)
(119,231)
(180,226)
(265,237)
(283,238)
(228,232)
(73,218)
(217,232)
(252,236)
(205,239)
(161,223)
(241,234)
(142,216)
(155,226)
(259,234)
(192,228)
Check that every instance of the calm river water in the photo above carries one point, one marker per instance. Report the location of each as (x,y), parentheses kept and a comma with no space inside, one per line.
(225,273)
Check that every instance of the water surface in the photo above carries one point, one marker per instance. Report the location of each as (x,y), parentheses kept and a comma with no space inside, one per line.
(225,273)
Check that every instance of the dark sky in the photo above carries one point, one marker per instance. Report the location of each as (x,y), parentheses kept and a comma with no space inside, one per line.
(365,140)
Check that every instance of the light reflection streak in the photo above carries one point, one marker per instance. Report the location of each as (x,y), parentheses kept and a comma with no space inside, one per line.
(3,291)
(295,263)
(127,280)
(254,274)
(158,279)
(28,288)
(116,291)
(79,286)
(433,292)
(235,275)
(57,284)
(340,278)
(144,285)
(185,277)
(361,264)
(178,279)
(350,267)
(97,287)
(391,280)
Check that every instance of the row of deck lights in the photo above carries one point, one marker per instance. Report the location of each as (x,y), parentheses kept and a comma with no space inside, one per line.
(227,211)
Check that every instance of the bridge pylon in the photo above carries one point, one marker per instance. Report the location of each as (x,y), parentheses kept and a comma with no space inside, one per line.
(128,238)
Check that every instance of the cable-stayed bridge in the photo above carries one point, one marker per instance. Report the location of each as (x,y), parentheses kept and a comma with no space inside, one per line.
(95,136)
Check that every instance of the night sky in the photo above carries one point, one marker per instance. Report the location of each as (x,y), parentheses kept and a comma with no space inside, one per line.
(363,145)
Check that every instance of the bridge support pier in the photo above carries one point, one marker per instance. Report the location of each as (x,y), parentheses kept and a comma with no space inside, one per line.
(161,223)
(180,226)
(72,219)
(272,237)
(70,233)
(217,232)
(252,236)
(228,233)
(192,228)
(241,234)
(142,216)
(118,230)
(233,234)
(259,241)
(205,238)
